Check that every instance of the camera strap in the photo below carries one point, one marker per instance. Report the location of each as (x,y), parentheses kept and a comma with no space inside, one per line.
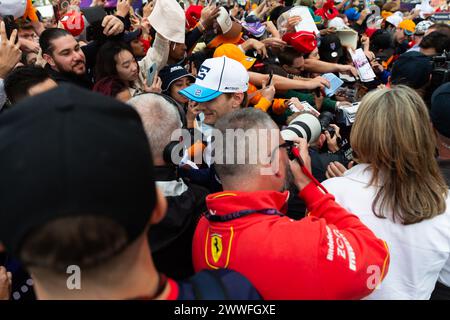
(296,152)
(239,214)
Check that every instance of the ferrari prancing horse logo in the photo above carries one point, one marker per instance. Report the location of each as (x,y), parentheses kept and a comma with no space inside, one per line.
(216,246)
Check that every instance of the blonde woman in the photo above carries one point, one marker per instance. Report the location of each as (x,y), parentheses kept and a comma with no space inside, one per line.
(397,190)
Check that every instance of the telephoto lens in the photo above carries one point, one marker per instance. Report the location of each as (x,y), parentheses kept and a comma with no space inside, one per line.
(305,126)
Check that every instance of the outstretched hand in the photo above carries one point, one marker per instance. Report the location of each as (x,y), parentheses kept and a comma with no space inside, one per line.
(9,51)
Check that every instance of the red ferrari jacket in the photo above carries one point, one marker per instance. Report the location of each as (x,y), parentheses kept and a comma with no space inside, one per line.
(330,254)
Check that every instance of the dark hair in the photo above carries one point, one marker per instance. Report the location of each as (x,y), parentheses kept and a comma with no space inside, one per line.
(437,40)
(24,25)
(106,59)
(110,86)
(442,28)
(390,6)
(288,55)
(46,38)
(21,79)
(85,241)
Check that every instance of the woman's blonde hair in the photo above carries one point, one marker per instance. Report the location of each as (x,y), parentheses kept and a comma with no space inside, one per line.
(393,134)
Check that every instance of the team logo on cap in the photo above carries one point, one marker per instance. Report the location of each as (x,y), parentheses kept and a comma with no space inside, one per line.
(198,93)
(176,68)
(202,72)
(216,246)
(333,46)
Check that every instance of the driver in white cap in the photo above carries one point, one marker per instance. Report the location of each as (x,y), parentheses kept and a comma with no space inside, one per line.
(221,87)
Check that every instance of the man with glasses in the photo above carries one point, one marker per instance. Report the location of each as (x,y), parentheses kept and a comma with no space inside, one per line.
(328,255)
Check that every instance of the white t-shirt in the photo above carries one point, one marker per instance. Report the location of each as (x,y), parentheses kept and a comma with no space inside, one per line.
(419,253)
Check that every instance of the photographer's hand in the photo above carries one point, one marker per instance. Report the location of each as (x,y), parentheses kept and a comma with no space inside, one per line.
(301,180)
(332,141)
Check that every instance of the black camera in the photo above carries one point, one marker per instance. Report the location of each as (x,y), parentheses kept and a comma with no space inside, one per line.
(441,70)
(10,25)
(94,30)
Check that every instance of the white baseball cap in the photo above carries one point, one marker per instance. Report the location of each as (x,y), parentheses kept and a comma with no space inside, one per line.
(337,23)
(169,20)
(394,19)
(216,76)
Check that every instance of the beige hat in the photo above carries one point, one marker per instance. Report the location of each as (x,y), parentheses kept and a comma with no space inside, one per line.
(169,20)
(224,20)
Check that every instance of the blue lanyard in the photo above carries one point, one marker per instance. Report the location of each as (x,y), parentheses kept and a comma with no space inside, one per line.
(239,214)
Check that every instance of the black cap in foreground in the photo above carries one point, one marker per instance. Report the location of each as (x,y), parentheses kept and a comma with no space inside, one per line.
(70,152)
(440,110)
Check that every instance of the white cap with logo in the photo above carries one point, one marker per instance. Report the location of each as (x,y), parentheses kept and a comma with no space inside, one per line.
(216,76)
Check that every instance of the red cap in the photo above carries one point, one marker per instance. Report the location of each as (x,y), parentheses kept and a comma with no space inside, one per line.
(302,41)
(370,31)
(73,22)
(193,14)
(328,11)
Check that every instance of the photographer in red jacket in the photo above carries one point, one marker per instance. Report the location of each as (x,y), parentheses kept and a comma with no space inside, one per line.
(329,254)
